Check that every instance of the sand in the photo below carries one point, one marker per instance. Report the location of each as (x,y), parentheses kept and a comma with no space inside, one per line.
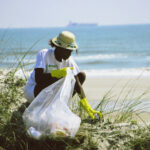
(96,88)
(122,89)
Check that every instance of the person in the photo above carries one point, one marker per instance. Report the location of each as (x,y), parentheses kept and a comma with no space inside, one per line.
(51,65)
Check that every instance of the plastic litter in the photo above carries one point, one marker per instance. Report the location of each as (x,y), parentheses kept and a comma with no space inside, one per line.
(49,114)
(34,133)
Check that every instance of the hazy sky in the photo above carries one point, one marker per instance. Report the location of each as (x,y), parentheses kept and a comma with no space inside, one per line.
(49,13)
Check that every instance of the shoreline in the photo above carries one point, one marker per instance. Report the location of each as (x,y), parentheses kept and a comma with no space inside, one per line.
(130,73)
(96,87)
(117,73)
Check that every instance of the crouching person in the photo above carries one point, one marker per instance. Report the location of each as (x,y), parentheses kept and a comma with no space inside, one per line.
(51,65)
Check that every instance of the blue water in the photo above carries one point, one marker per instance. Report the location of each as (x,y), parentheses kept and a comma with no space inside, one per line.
(125,47)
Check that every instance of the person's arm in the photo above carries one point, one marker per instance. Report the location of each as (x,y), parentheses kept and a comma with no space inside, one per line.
(83,101)
(79,88)
(42,78)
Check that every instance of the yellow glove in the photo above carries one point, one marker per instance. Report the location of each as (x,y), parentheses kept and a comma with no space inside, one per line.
(60,72)
(84,103)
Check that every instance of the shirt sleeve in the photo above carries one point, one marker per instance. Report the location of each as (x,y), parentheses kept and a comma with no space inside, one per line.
(40,61)
(72,63)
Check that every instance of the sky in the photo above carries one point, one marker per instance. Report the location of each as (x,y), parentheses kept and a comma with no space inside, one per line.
(57,13)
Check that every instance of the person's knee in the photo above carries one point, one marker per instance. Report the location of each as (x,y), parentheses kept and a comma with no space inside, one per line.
(38,89)
(82,77)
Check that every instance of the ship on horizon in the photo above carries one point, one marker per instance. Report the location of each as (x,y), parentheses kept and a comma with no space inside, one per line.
(74,24)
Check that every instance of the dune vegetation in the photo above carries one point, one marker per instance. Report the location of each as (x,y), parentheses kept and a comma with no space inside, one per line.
(120,133)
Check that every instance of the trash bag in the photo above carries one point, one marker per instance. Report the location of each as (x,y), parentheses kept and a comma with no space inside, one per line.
(49,114)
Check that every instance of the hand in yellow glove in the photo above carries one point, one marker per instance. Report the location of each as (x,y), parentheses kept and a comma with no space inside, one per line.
(84,103)
(60,72)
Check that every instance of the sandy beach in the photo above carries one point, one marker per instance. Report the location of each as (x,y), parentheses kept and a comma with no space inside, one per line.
(96,88)
(120,88)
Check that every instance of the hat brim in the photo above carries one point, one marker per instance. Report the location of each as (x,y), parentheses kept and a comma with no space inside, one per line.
(54,41)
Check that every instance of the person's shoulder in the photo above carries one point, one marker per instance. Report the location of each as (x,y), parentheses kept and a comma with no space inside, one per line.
(45,50)
(51,51)
(71,59)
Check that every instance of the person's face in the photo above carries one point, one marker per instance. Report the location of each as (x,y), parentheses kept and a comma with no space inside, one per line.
(62,53)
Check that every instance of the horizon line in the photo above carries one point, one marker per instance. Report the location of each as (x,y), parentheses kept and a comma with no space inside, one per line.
(66,26)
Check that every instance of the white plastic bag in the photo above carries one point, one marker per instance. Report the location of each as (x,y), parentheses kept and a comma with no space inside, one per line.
(49,113)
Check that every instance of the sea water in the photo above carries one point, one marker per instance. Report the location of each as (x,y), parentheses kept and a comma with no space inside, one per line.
(103,50)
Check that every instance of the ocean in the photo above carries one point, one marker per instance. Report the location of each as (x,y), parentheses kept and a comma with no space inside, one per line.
(122,50)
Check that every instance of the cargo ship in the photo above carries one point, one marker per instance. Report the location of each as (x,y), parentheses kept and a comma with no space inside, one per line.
(74,24)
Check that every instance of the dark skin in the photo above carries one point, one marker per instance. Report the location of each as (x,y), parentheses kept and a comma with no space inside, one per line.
(45,79)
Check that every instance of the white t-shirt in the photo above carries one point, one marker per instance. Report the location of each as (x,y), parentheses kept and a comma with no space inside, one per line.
(46,60)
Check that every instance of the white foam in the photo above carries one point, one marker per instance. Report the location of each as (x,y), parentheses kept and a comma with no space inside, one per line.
(134,72)
(100,56)
(106,73)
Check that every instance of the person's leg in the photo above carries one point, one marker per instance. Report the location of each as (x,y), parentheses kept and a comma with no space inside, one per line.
(82,77)
(29,92)
(37,90)
(39,87)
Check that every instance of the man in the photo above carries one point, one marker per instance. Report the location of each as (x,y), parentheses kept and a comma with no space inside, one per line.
(51,65)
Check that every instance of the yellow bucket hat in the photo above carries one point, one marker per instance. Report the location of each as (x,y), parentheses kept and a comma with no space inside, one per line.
(65,40)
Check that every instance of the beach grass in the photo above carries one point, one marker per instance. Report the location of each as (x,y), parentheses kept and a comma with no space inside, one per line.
(97,134)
